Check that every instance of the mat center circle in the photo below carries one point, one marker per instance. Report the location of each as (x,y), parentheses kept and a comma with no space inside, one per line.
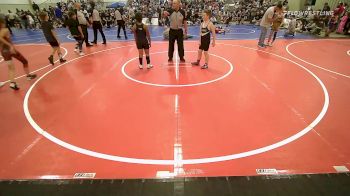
(176,73)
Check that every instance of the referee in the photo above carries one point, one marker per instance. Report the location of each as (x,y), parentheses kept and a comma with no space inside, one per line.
(96,23)
(177,17)
(83,23)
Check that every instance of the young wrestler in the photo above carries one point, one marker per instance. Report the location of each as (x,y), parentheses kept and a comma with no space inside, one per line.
(206,27)
(76,31)
(278,16)
(142,39)
(8,52)
(51,37)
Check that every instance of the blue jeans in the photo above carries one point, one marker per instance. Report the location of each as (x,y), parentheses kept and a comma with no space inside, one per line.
(262,35)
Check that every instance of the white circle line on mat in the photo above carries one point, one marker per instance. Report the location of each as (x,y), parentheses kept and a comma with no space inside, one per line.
(317,66)
(177,85)
(185,161)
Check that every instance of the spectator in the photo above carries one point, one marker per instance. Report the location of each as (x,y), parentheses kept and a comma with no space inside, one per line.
(120,18)
(96,24)
(35,7)
(83,23)
(266,22)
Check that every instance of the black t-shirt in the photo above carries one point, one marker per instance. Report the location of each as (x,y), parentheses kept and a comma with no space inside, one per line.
(35,7)
(47,27)
(73,26)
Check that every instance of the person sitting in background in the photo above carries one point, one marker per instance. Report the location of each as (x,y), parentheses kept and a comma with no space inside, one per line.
(220,30)
(332,24)
(342,23)
(291,27)
(347,25)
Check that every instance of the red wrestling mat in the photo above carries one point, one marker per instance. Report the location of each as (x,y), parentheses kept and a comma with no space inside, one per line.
(252,109)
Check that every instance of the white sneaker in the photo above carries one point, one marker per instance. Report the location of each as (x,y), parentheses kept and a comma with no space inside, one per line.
(149,66)
(76,50)
(269,44)
(140,66)
(81,53)
(2,84)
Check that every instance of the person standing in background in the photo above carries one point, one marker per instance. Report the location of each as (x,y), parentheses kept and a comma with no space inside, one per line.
(121,22)
(266,22)
(178,23)
(83,23)
(96,24)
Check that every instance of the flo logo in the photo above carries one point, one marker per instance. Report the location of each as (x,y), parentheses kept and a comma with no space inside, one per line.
(84,175)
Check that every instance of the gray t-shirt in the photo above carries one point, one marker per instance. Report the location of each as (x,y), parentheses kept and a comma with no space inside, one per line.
(268,14)
(176,18)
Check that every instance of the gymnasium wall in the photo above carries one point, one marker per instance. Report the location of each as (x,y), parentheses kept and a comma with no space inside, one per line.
(295,5)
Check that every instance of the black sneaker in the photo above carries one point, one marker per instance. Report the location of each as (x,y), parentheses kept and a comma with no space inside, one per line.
(31,76)
(94,42)
(262,45)
(205,66)
(14,86)
(51,60)
(63,60)
(126,37)
(195,63)
(89,45)
(104,43)
(118,37)
(182,60)
(170,60)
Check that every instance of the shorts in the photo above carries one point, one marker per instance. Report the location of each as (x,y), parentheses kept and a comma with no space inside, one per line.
(7,55)
(205,42)
(142,45)
(54,44)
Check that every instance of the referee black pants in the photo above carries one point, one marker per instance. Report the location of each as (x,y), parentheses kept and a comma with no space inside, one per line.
(86,34)
(177,35)
(96,25)
(121,25)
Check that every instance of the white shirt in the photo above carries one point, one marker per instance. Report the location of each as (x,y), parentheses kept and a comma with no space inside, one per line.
(81,18)
(95,15)
(12,16)
(118,15)
(268,14)
(292,25)
(30,19)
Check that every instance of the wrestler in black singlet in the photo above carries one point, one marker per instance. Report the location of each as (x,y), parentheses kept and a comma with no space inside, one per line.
(141,38)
